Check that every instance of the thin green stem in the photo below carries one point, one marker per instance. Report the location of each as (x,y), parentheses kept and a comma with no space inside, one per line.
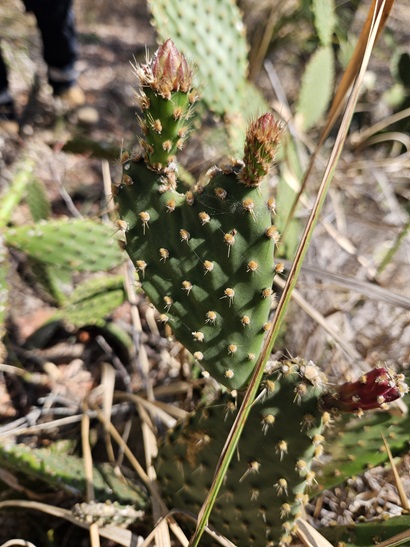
(393,249)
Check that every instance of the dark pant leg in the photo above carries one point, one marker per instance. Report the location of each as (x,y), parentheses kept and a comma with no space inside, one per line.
(6,102)
(55,20)
(4,84)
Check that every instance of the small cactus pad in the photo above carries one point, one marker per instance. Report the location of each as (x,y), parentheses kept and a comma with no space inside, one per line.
(205,257)
(65,474)
(92,301)
(82,245)
(264,489)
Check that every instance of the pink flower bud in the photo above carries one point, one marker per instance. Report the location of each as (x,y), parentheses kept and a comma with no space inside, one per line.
(170,70)
(373,390)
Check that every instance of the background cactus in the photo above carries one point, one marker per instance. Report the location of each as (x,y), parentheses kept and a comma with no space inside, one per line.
(264,490)
(92,301)
(82,245)
(205,258)
(370,533)
(355,445)
(212,34)
(66,475)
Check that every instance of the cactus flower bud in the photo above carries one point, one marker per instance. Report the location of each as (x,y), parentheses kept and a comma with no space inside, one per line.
(167,72)
(373,390)
(262,140)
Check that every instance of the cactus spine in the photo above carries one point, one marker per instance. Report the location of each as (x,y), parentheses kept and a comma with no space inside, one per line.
(204,257)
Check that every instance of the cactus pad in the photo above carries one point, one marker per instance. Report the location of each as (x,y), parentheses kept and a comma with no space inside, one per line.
(66,474)
(92,302)
(213,35)
(205,259)
(82,245)
(264,490)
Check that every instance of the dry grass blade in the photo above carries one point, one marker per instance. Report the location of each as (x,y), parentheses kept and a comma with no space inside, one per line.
(151,485)
(162,538)
(309,536)
(181,538)
(88,473)
(161,411)
(107,385)
(399,485)
(87,456)
(379,9)
(259,53)
(358,139)
(131,458)
(120,536)
(368,289)
(236,430)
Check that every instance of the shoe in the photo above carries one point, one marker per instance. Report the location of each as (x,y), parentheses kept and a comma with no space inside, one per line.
(73,97)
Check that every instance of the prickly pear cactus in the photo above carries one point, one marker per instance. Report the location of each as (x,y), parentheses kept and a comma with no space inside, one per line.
(205,257)
(265,488)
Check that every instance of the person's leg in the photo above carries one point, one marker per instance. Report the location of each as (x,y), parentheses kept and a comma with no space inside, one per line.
(8,119)
(55,20)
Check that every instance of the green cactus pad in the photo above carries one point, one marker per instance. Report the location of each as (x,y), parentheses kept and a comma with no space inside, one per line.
(264,489)
(66,474)
(37,200)
(316,88)
(356,444)
(82,245)
(369,533)
(213,35)
(92,302)
(206,261)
